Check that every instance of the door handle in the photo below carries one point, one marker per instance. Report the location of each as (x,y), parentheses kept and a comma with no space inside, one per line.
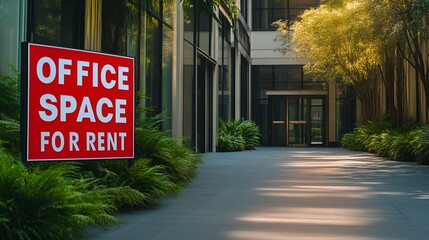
(297,122)
(278,122)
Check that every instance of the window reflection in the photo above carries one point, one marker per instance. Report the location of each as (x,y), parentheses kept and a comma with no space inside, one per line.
(138,28)
(167,75)
(10,33)
(225,71)
(128,29)
(120,27)
(57,22)
(188,94)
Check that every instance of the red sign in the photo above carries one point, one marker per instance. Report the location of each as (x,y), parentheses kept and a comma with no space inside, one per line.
(80,105)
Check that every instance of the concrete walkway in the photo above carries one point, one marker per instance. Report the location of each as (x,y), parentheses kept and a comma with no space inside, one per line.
(290,193)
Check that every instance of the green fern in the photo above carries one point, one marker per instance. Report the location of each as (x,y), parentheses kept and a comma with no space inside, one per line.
(10,135)
(228,142)
(47,204)
(251,134)
(10,103)
(238,135)
(150,180)
(420,145)
(178,162)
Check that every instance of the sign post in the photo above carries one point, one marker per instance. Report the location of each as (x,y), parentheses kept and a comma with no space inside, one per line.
(76,105)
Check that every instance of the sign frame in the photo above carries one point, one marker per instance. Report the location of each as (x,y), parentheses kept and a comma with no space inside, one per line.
(126,118)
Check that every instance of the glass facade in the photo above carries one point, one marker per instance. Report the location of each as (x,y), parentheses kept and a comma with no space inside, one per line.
(137,28)
(142,29)
(265,12)
(198,70)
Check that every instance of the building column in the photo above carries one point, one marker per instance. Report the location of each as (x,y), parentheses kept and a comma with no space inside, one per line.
(332,115)
(177,83)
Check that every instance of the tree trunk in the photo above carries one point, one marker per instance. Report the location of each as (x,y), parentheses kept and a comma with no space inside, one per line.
(400,89)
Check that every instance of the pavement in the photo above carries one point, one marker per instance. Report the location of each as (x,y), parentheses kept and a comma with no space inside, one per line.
(289,193)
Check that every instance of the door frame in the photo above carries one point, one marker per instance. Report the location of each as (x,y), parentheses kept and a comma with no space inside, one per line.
(308,120)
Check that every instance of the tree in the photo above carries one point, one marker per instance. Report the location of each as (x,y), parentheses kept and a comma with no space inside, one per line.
(410,21)
(391,68)
(340,44)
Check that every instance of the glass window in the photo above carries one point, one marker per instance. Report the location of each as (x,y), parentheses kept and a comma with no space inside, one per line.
(281,13)
(303,3)
(154,7)
(9,34)
(244,85)
(346,110)
(283,77)
(226,93)
(198,27)
(265,73)
(277,3)
(188,94)
(204,33)
(189,20)
(265,12)
(57,22)
(287,77)
(120,29)
(243,9)
(168,11)
(167,75)
(153,63)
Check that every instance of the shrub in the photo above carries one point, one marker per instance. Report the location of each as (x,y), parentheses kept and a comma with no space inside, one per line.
(250,133)
(350,141)
(178,162)
(10,135)
(228,142)
(420,145)
(409,143)
(366,137)
(238,135)
(400,147)
(150,180)
(9,103)
(48,204)
(9,112)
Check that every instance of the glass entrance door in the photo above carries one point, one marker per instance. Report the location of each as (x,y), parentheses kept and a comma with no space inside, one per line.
(297,121)
(279,122)
(317,126)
